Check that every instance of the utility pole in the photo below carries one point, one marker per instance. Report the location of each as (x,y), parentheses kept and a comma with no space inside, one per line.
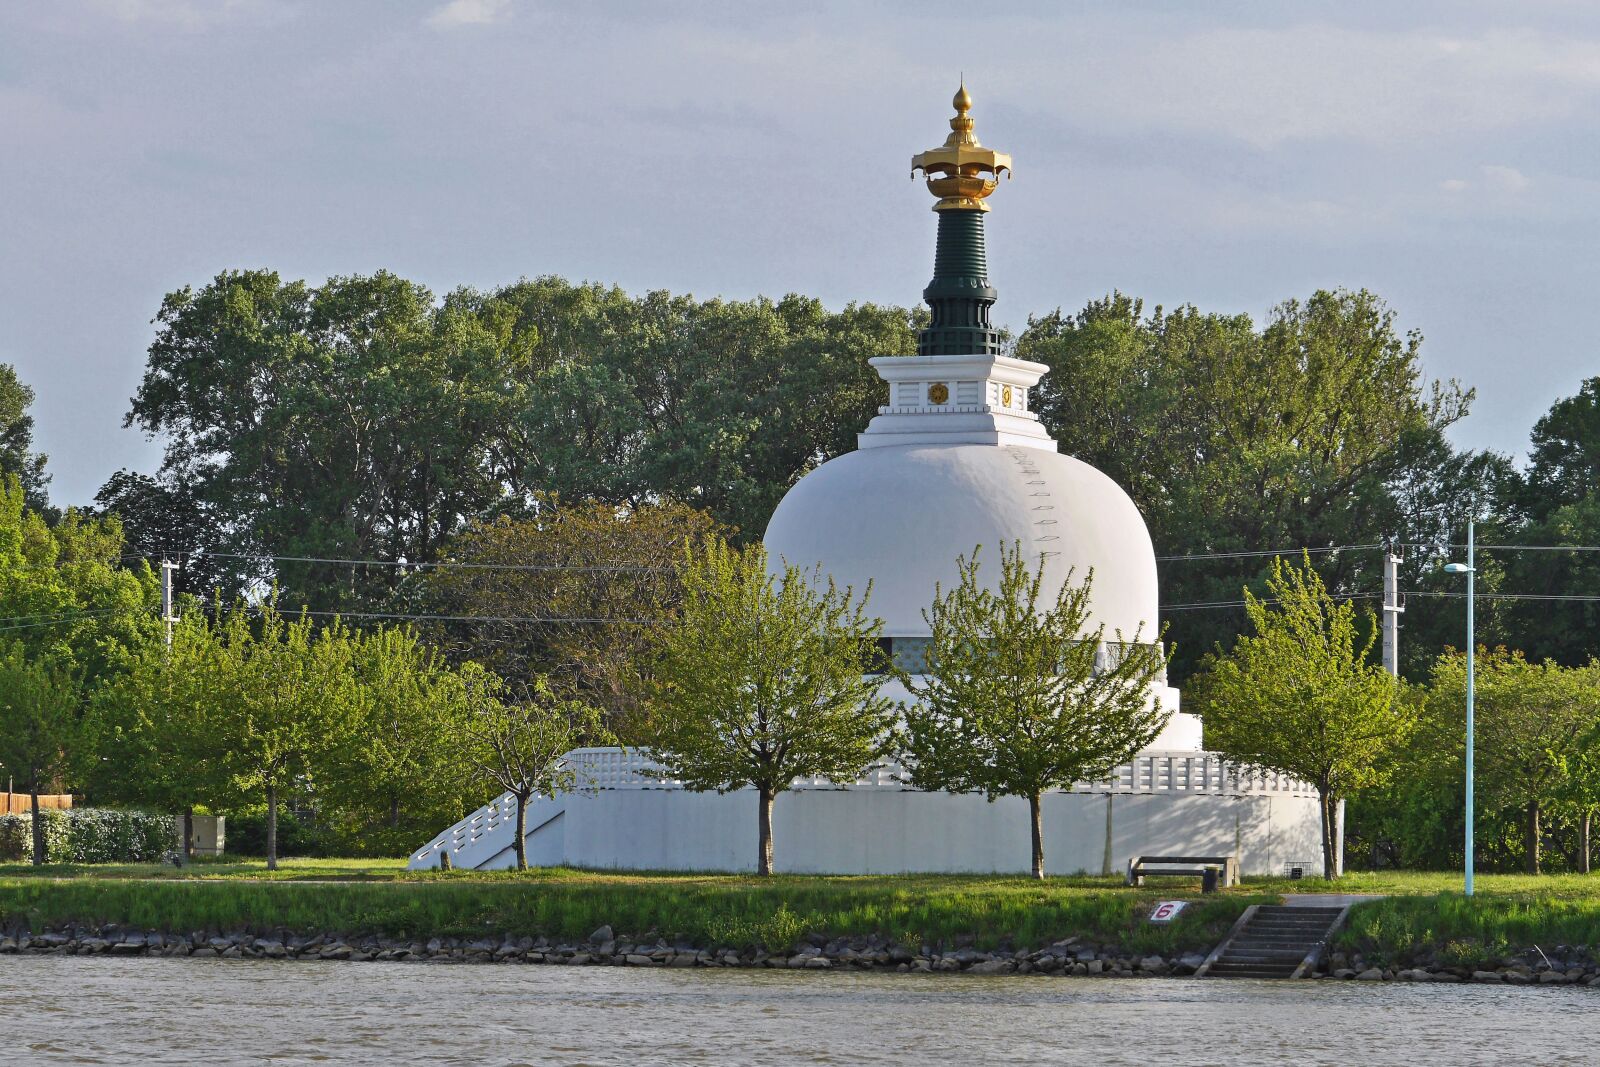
(1470,569)
(1393,607)
(167,567)
(1472,573)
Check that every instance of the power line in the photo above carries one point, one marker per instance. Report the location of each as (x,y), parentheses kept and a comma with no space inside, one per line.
(1572,598)
(54,620)
(1209,604)
(606,568)
(69,614)
(636,568)
(1534,548)
(418,617)
(126,557)
(1508,548)
(485,618)
(599,568)
(1255,553)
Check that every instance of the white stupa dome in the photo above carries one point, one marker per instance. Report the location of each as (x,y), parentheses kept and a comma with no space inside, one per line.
(932,481)
(956,462)
(900,517)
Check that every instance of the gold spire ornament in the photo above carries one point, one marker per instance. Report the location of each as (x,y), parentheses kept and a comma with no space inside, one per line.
(961,172)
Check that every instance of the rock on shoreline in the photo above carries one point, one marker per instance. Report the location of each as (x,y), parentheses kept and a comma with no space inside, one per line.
(1070,957)
(1562,965)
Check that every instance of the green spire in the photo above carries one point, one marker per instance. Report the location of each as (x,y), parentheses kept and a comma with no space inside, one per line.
(960,294)
(962,174)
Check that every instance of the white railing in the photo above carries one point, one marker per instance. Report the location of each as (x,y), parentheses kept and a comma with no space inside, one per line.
(1150,772)
(480,835)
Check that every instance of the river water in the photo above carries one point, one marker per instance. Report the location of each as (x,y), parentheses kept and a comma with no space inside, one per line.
(60,1010)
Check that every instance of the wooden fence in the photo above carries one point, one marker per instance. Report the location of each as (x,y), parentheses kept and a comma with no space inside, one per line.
(22,803)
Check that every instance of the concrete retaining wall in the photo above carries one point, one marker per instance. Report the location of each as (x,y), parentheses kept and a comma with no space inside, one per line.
(889,831)
(881,831)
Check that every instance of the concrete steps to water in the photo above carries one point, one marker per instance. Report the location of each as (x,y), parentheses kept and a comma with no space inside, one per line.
(1274,941)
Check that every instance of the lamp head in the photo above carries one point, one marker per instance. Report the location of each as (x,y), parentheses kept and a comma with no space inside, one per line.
(1457,568)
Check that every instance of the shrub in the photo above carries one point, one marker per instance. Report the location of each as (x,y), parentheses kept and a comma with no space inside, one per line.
(13,838)
(89,835)
(101,835)
(16,837)
(247,836)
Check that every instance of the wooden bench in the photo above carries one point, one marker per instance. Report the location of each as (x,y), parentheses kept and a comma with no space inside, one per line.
(1227,868)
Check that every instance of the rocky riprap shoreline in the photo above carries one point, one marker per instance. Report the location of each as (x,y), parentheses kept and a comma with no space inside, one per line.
(1563,965)
(1070,957)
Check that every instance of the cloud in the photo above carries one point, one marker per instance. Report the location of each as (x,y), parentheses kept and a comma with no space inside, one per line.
(1273,87)
(469,13)
(1493,178)
(1505,179)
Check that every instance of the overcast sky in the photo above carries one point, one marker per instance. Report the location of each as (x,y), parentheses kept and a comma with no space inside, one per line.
(1226,154)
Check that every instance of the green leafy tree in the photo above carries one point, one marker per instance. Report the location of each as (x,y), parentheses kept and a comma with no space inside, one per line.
(720,405)
(366,727)
(17,458)
(1313,428)
(39,706)
(355,419)
(1581,797)
(64,593)
(1557,504)
(164,520)
(1535,724)
(1301,696)
(150,729)
(398,772)
(759,681)
(285,697)
(1023,694)
(574,591)
(1564,461)
(519,745)
(361,419)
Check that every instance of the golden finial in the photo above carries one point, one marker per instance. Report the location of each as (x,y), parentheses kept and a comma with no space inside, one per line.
(961,173)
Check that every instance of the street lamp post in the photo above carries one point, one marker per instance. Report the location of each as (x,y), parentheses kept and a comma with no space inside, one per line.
(1470,570)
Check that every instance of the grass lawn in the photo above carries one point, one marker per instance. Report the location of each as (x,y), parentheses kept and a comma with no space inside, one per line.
(1423,911)
(379,896)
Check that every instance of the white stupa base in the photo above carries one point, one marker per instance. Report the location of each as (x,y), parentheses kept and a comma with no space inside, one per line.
(1164,803)
(1181,734)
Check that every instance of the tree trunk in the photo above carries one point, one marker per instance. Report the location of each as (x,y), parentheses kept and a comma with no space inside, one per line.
(521,846)
(272,827)
(764,833)
(394,812)
(1533,837)
(1037,824)
(39,857)
(1338,838)
(1583,842)
(186,850)
(1329,845)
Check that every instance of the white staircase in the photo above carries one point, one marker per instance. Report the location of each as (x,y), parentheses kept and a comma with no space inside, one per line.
(486,839)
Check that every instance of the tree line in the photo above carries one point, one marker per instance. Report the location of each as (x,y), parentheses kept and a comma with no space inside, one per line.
(366,419)
(760,676)
(521,466)
(1300,693)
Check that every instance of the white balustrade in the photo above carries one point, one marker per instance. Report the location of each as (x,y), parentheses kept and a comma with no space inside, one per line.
(484,836)
(1149,772)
